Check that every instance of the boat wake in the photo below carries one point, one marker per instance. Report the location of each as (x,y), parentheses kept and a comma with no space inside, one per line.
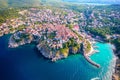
(96,78)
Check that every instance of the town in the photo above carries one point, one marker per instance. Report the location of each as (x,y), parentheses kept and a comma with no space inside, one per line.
(92,19)
(57,31)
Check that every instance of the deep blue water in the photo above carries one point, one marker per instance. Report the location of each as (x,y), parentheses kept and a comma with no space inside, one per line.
(25,63)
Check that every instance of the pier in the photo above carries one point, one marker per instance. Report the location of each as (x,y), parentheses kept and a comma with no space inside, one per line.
(88,59)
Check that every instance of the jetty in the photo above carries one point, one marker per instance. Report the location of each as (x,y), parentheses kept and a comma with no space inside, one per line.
(95,47)
(88,59)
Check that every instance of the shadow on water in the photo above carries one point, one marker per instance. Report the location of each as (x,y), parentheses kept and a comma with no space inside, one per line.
(39,55)
(37,52)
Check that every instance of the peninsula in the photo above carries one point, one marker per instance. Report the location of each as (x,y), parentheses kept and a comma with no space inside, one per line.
(59,29)
(56,33)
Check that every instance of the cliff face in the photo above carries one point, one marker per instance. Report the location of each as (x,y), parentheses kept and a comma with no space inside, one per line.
(22,39)
(55,54)
(46,52)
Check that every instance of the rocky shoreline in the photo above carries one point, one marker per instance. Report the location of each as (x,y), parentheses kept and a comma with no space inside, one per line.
(53,43)
(116,74)
(46,52)
(50,54)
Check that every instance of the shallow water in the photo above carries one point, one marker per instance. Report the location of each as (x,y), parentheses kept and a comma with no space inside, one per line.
(25,63)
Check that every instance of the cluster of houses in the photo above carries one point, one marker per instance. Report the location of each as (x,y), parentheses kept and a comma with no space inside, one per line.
(114,36)
(51,16)
(95,18)
(53,24)
(99,18)
(38,21)
(43,16)
(4,29)
(10,26)
(60,33)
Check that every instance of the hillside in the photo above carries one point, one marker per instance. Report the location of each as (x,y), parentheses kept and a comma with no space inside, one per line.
(18,3)
(95,1)
(28,3)
(3,3)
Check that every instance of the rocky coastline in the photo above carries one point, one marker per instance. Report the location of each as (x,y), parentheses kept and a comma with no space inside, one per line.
(51,44)
(116,75)
(44,50)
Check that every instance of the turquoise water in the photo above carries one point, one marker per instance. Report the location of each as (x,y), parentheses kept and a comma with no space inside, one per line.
(26,63)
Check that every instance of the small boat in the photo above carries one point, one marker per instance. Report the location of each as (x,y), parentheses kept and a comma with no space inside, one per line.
(96,78)
(96,51)
(95,47)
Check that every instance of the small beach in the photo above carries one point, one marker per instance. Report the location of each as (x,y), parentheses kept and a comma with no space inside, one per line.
(93,50)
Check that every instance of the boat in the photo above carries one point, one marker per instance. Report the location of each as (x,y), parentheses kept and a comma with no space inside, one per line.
(96,78)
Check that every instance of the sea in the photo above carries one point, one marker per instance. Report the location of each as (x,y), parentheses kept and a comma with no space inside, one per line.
(26,63)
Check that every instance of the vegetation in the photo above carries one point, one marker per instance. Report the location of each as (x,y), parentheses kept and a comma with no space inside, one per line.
(70,26)
(80,37)
(24,36)
(116,42)
(88,46)
(21,27)
(103,31)
(19,3)
(8,14)
(52,35)
(71,44)
(64,51)
(17,40)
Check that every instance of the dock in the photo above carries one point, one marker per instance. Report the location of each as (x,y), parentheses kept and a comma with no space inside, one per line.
(88,59)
